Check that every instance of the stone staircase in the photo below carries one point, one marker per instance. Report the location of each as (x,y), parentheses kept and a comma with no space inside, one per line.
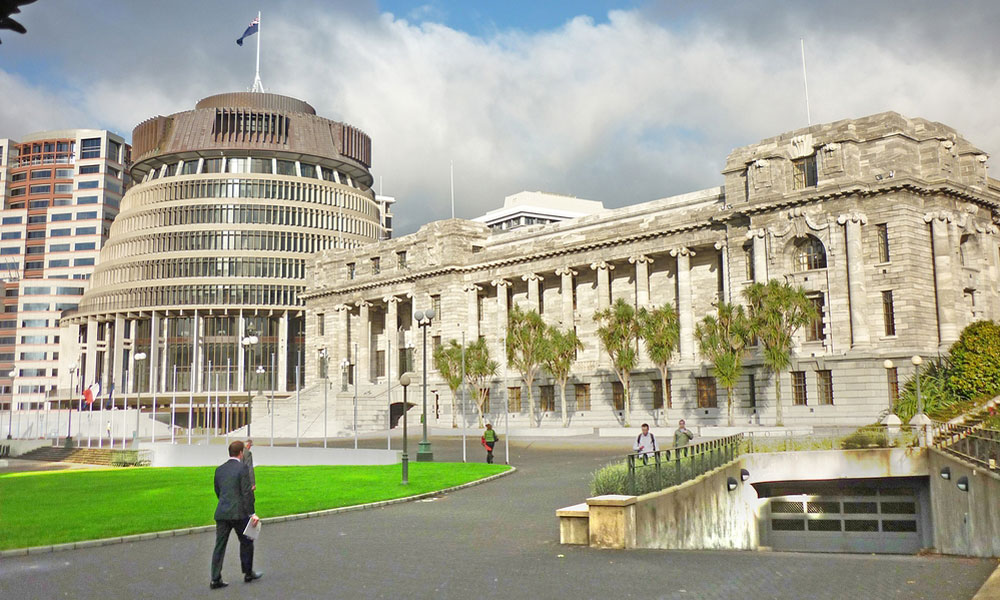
(83,456)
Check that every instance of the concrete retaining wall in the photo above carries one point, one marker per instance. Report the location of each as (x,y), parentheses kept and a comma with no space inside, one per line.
(965,523)
(178,455)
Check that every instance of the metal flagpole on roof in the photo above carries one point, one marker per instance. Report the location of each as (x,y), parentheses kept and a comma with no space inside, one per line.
(802,45)
(257,85)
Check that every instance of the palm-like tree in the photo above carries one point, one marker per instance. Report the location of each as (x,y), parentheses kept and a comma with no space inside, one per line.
(777,311)
(525,349)
(660,329)
(724,338)
(618,330)
(448,362)
(479,371)
(558,356)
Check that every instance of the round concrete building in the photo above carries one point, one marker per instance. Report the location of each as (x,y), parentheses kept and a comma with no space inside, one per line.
(197,290)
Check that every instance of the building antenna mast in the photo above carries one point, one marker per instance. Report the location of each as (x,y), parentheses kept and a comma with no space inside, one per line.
(452,189)
(802,44)
(257,85)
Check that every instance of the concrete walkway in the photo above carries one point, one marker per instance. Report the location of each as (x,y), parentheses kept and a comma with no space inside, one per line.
(496,539)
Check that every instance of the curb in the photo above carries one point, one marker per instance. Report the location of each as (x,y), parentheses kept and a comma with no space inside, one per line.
(991,587)
(207,528)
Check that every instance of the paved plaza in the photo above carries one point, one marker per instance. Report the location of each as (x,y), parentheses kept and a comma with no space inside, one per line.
(499,539)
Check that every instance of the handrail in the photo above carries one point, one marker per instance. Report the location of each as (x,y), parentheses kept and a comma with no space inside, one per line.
(973,443)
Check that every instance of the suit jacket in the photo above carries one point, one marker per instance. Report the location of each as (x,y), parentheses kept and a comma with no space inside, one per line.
(233,488)
(248,461)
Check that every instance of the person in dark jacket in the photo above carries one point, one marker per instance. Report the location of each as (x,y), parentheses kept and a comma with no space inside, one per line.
(490,439)
(233,512)
(248,461)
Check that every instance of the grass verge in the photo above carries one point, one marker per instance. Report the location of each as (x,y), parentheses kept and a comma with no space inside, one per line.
(55,507)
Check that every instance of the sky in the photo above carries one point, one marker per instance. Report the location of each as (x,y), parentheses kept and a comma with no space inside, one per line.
(622,102)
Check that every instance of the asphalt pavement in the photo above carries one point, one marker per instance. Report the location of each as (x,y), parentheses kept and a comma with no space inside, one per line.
(499,539)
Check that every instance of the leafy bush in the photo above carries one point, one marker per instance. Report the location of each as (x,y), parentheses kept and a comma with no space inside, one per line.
(868,437)
(975,361)
(940,401)
(609,479)
(614,479)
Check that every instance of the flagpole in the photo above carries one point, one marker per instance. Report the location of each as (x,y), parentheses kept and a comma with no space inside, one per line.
(805,81)
(257,85)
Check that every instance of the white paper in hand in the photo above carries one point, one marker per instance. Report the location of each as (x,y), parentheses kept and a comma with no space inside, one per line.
(252,531)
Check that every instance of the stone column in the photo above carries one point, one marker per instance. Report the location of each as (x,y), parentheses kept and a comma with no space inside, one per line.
(603,283)
(501,285)
(758,236)
(533,280)
(472,327)
(166,378)
(342,337)
(281,360)
(154,353)
(943,276)
(91,357)
(988,250)
(566,295)
(723,249)
(856,289)
(684,313)
(391,334)
(197,364)
(116,354)
(364,341)
(641,263)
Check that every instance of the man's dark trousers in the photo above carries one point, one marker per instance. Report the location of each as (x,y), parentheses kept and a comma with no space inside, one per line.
(222,529)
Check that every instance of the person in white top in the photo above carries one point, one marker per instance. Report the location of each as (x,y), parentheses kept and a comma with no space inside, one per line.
(645,444)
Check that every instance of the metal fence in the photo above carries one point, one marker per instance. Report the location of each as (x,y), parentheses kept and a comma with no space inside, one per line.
(977,445)
(654,471)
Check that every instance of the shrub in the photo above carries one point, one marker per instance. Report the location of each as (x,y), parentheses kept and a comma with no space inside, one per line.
(940,401)
(975,361)
(609,479)
(871,436)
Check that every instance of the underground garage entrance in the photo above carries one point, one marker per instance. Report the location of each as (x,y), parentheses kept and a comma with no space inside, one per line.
(882,516)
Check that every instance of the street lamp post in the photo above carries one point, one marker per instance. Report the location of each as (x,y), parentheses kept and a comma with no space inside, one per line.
(139,358)
(324,358)
(248,343)
(925,435)
(424,318)
(917,361)
(10,415)
(404,380)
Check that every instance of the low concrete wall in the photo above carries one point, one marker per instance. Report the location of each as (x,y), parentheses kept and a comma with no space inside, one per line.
(15,448)
(965,523)
(180,455)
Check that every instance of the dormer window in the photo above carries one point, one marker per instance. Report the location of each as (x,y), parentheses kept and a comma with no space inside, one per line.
(804,173)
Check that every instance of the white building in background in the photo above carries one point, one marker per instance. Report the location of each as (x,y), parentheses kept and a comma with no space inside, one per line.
(537,208)
(60,192)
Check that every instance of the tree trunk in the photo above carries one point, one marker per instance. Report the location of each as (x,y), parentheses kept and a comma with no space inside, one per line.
(729,404)
(663,392)
(628,402)
(779,416)
(531,403)
(454,412)
(562,397)
(479,405)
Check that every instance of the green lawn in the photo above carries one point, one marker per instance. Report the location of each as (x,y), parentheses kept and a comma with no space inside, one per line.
(54,507)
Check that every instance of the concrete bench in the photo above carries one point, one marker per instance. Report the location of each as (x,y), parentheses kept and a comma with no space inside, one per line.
(574,524)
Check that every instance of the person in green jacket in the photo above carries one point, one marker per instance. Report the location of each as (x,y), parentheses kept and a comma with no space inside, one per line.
(489,440)
(682,435)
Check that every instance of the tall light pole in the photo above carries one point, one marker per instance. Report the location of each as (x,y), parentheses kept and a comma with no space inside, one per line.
(69,426)
(917,361)
(355,398)
(139,358)
(925,435)
(424,318)
(324,358)
(10,421)
(248,343)
(404,380)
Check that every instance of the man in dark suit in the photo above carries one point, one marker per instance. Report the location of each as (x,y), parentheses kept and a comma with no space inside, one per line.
(235,510)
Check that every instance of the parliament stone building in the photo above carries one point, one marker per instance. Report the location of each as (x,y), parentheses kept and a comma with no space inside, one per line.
(889,224)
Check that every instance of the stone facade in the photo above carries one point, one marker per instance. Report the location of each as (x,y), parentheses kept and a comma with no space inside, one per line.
(887,222)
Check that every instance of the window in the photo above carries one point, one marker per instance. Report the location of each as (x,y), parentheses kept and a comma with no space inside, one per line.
(69,291)
(815,331)
(883,242)
(401,259)
(261,165)
(89,169)
(658,393)
(809,254)
(17,192)
(86,246)
(10,250)
(36,219)
(64,173)
(83,262)
(548,399)
(286,167)
(62,262)
(798,388)
(707,395)
(60,232)
(36,291)
(35,249)
(88,185)
(42,174)
(618,395)
(11,220)
(33,265)
(804,172)
(10,235)
(380,363)
(86,230)
(376,265)
(436,306)
(59,248)
(34,339)
(321,324)
(64,188)
(513,399)
(35,323)
(752,387)
(350,270)
(581,392)
(62,217)
(892,377)
(87,200)
(44,188)
(824,385)
(888,313)
(114,149)
(30,307)
(83,216)
(748,259)
(307,170)
(18,176)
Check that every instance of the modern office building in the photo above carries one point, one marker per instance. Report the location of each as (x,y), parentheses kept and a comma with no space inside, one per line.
(889,224)
(61,190)
(197,290)
(537,208)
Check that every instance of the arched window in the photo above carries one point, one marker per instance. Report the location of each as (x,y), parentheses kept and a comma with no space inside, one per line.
(809,254)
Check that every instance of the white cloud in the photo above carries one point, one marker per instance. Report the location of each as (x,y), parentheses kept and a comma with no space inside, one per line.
(639,107)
